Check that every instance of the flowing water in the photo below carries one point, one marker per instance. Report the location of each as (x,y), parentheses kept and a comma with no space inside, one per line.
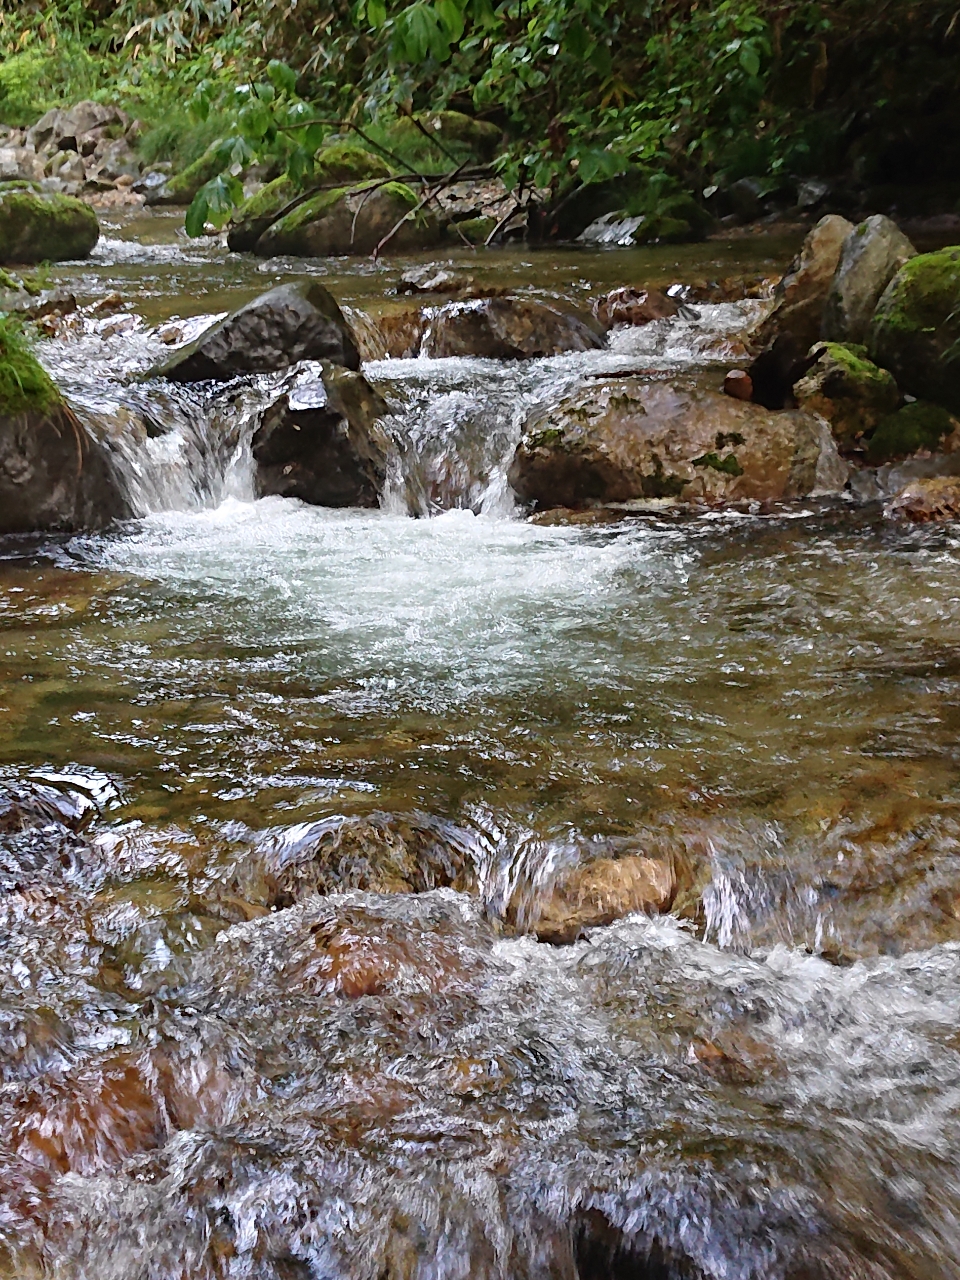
(288,791)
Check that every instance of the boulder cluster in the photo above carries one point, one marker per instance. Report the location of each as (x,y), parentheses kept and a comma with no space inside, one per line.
(84,149)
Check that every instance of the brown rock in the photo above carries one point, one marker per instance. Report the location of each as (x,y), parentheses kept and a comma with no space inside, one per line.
(927,501)
(738,384)
(634,306)
(504,329)
(619,439)
(601,892)
(801,295)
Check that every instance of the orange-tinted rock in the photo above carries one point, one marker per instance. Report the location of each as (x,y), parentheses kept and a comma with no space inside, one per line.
(604,891)
(927,501)
(738,384)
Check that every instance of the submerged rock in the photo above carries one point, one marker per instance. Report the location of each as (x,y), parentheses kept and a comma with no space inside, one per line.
(847,389)
(915,331)
(40,226)
(801,295)
(619,439)
(601,892)
(635,307)
(351,220)
(288,324)
(505,329)
(322,442)
(871,256)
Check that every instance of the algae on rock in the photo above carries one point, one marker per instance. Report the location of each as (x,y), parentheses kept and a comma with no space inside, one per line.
(847,389)
(43,226)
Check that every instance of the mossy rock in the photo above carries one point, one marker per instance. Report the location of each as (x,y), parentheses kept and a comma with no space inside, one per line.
(915,331)
(345,162)
(44,227)
(183,186)
(459,133)
(24,384)
(916,426)
(476,230)
(348,220)
(848,389)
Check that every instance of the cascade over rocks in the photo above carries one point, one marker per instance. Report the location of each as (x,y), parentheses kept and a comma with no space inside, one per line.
(621,439)
(504,329)
(323,442)
(290,323)
(603,891)
(40,226)
(635,307)
(871,256)
(915,331)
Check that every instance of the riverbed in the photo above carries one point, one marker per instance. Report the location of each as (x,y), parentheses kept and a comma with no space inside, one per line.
(273,1003)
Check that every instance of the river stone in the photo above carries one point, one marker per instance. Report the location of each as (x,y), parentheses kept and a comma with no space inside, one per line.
(847,389)
(504,329)
(621,439)
(915,331)
(872,255)
(290,323)
(53,475)
(601,892)
(635,307)
(61,128)
(40,226)
(927,501)
(353,220)
(801,295)
(323,442)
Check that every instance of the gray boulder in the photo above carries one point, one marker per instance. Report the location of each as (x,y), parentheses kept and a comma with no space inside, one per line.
(288,324)
(801,295)
(505,329)
(323,442)
(871,256)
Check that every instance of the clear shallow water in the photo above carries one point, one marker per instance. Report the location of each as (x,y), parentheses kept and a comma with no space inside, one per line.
(290,785)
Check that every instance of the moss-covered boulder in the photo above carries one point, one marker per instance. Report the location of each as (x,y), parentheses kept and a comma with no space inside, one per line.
(915,331)
(460,134)
(849,390)
(53,474)
(340,163)
(42,226)
(183,186)
(350,220)
(915,427)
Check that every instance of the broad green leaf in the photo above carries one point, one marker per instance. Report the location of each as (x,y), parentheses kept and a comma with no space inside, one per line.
(282,77)
(196,218)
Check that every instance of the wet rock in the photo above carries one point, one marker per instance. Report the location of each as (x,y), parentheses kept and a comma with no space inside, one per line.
(337,164)
(916,428)
(60,129)
(54,475)
(738,384)
(288,324)
(351,221)
(848,390)
(432,278)
(322,442)
(402,332)
(934,500)
(871,256)
(635,307)
(180,188)
(40,226)
(560,516)
(801,295)
(620,439)
(601,892)
(505,329)
(915,331)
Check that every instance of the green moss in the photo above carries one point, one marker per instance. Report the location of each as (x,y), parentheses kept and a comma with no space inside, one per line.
(400,192)
(915,426)
(476,230)
(24,383)
(543,439)
(44,227)
(460,134)
(925,289)
(268,201)
(183,186)
(310,210)
(728,465)
(345,162)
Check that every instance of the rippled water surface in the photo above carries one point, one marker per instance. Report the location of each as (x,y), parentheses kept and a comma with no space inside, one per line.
(290,793)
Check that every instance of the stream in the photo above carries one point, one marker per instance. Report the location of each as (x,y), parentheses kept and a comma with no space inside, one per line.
(288,790)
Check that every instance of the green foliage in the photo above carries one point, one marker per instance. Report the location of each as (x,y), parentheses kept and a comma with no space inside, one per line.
(24,384)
